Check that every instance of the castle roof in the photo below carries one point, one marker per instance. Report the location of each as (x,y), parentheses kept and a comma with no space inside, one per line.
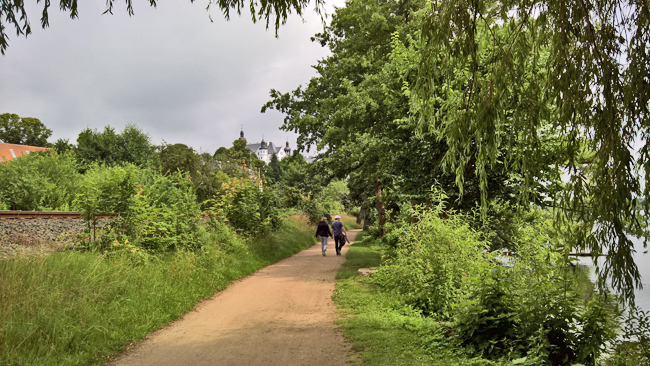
(269,145)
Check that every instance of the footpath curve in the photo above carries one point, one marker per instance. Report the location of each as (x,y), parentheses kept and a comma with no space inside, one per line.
(281,315)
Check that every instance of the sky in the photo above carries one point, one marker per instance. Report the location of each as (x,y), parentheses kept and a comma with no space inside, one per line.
(169,70)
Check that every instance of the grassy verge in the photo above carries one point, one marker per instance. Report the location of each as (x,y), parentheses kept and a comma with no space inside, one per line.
(384,331)
(350,222)
(76,308)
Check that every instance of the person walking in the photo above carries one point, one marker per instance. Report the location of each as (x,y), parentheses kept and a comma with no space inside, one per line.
(323,231)
(339,234)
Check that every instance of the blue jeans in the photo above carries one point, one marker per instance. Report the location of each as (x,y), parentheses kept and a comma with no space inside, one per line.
(339,242)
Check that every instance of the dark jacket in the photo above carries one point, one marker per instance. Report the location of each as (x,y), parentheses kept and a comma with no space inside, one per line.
(323,229)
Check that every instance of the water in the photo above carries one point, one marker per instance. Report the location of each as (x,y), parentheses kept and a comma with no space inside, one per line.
(643,262)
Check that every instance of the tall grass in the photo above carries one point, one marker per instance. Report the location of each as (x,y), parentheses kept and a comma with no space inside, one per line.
(350,222)
(77,308)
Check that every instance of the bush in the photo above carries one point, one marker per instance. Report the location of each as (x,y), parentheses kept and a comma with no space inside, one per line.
(42,181)
(153,212)
(533,305)
(538,307)
(248,205)
(431,259)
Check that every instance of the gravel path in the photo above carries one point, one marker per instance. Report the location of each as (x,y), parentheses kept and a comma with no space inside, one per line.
(281,315)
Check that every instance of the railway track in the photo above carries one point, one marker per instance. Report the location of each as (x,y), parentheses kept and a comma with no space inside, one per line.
(44,215)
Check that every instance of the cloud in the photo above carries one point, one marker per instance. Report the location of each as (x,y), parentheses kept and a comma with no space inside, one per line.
(169,70)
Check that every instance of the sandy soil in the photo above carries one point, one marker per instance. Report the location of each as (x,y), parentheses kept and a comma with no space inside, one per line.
(281,315)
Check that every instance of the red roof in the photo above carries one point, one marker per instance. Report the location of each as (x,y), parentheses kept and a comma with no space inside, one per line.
(11,151)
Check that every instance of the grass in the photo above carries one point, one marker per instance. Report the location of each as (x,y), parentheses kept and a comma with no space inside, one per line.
(359,256)
(350,222)
(383,330)
(78,308)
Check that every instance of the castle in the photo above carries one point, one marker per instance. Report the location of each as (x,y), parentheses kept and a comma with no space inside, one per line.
(265,149)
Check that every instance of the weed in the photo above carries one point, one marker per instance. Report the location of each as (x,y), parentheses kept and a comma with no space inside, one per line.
(77,308)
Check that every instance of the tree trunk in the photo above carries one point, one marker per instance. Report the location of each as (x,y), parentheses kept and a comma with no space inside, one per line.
(364,211)
(381,212)
(366,223)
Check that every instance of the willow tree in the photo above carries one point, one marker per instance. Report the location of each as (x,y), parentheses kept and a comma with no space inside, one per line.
(13,12)
(581,67)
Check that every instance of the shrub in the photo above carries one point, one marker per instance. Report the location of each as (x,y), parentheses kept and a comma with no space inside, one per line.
(249,206)
(431,259)
(533,306)
(153,212)
(39,181)
(537,307)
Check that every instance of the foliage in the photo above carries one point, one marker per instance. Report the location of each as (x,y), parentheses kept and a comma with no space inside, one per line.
(633,346)
(208,180)
(131,146)
(153,212)
(249,205)
(357,113)
(15,13)
(488,69)
(63,146)
(78,308)
(39,181)
(178,157)
(532,305)
(384,330)
(275,169)
(430,261)
(232,159)
(299,178)
(534,311)
(23,130)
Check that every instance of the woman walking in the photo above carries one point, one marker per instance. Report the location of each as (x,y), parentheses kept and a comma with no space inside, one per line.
(323,231)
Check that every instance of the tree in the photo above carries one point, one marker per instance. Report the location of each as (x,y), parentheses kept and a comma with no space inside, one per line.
(275,168)
(208,179)
(63,146)
(132,145)
(344,111)
(297,173)
(23,131)
(39,181)
(504,69)
(357,115)
(14,12)
(232,160)
(179,157)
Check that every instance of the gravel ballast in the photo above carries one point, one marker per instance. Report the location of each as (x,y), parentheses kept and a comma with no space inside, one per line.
(37,237)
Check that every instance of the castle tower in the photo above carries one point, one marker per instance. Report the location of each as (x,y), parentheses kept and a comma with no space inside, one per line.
(287,149)
(241,135)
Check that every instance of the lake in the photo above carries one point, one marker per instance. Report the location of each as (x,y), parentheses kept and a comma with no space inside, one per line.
(643,262)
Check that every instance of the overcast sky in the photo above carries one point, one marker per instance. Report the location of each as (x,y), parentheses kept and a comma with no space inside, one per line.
(168,70)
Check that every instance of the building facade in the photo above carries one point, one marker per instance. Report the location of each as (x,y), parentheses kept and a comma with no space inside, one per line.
(265,149)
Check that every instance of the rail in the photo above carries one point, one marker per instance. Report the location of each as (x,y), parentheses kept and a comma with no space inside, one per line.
(44,215)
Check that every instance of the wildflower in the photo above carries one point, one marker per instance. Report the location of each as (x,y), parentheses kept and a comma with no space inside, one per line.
(464,274)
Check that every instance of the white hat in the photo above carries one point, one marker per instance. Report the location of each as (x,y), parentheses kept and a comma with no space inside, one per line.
(337,217)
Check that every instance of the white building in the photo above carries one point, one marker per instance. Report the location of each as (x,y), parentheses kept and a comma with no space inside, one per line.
(265,149)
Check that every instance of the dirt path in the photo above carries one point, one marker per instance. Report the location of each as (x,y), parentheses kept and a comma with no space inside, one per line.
(281,315)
